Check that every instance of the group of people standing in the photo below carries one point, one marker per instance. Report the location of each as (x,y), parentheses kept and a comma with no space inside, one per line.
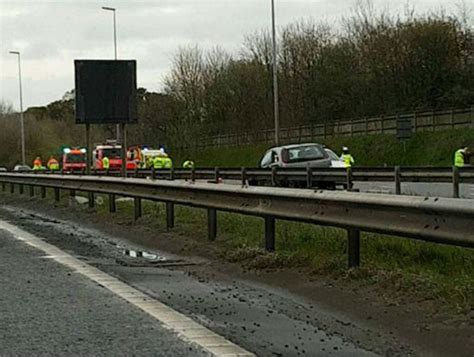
(52,164)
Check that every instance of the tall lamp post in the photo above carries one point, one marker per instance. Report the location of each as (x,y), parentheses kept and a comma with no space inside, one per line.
(22,123)
(115,51)
(276,110)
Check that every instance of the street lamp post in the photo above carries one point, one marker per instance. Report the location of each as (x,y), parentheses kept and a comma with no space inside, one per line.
(115,51)
(276,110)
(22,123)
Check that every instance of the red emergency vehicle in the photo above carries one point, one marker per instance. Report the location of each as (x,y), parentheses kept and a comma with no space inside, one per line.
(74,159)
(112,150)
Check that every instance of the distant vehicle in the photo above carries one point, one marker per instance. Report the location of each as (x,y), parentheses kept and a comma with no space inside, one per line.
(22,168)
(312,155)
(112,150)
(336,161)
(3,169)
(74,159)
(297,155)
(141,156)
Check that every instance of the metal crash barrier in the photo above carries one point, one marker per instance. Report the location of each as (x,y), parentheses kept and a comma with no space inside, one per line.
(442,220)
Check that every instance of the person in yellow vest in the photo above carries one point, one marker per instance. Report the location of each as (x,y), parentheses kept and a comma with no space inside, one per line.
(167,162)
(347,157)
(105,163)
(188,164)
(158,163)
(53,164)
(461,156)
(37,164)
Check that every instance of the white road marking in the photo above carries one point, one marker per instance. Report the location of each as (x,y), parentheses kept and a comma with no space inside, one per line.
(186,328)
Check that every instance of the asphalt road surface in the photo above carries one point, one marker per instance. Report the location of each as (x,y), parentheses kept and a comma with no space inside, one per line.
(47,308)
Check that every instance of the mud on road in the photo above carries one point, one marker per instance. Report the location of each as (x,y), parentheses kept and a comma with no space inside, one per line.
(287,312)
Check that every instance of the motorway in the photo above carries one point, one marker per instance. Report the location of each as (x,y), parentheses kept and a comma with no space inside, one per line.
(63,311)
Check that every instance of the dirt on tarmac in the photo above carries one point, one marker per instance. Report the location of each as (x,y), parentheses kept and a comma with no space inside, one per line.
(364,320)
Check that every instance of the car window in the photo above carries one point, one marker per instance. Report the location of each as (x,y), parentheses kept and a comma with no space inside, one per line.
(304,153)
(267,159)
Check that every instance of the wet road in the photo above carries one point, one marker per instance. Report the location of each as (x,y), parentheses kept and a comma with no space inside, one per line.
(49,309)
(262,320)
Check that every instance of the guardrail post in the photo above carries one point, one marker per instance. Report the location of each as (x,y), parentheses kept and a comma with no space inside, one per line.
(32,190)
(72,193)
(21,188)
(169,215)
(91,199)
(269,233)
(138,207)
(193,174)
(211,223)
(172,173)
(12,188)
(274,176)
(309,177)
(243,176)
(112,204)
(397,176)
(216,175)
(353,247)
(4,187)
(349,178)
(455,182)
(57,194)
(43,192)
(153,173)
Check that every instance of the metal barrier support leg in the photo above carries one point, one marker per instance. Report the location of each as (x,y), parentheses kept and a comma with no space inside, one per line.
(57,194)
(72,193)
(455,182)
(353,247)
(43,192)
(12,188)
(398,184)
(112,205)
(270,234)
(349,178)
(21,188)
(91,199)
(138,207)
(212,223)
(32,191)
(4,186)
(169,215)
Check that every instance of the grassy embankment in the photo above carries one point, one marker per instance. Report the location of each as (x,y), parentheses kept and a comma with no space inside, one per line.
(430,148)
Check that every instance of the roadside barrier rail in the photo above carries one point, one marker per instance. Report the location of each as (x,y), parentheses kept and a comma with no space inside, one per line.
(305,177)
(442,220)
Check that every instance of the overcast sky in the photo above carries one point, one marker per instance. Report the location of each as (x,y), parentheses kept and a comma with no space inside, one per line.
(51,34)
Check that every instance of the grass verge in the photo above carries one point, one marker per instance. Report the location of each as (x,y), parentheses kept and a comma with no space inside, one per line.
(394,265)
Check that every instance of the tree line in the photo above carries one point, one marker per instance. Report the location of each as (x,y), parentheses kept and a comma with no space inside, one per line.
(373,64)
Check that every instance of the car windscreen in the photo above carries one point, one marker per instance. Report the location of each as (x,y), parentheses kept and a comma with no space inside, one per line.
(112,153)
(332,155)
(76,158)
(303,153)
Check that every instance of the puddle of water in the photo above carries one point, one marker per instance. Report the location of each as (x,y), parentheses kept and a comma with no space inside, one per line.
(140,254)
